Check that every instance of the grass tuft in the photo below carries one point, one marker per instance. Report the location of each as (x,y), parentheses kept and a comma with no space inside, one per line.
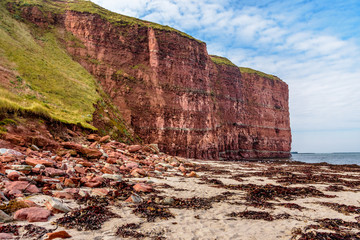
(222,61)
(252,71)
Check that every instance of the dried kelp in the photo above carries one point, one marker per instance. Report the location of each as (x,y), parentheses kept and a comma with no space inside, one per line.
(127,231)
(328,236)
(343,229)
(33,231)
(256,193)
(211,181)
(13,229)
(335,188)
(256,215)
(342,208)
(89,218)
(291,206)
(151,211)
(93,201)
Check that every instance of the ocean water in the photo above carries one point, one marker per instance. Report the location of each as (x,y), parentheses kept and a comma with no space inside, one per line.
(332,158)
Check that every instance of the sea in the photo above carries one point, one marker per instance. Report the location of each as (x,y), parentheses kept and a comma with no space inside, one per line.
(332,158)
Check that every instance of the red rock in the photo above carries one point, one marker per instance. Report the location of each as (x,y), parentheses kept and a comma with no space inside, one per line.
(192,174)
(5,236)
(60,234)
(63,195)
(32,214)
(132,165)
(138,172)
(93,137)
(104,139)
(91,153)
(71,145)
(134,148)
(52,172)
(7,159)
(107,170)
(33,162)
(14,139)
(69,183)
(13,176)
(80,170)
(92,184)
(100,192)
(142,187)
(93,145)
(111,160)
(20,186)
(182,169)
(86,163)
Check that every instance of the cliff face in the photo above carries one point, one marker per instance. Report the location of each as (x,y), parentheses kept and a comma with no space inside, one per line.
(172,92)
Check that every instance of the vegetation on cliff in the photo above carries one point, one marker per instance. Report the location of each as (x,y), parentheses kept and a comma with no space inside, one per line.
(85,6)
(221,61)
(252,71)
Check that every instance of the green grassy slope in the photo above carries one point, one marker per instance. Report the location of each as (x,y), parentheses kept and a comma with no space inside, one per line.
(46,80)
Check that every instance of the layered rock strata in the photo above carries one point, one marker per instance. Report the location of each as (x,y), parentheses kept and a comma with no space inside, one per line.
(172,93)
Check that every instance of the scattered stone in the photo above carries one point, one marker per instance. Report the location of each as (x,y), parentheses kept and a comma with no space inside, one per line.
(153,148)
(114,177)
(13,176)
(32,214)
(21,167)
(21,186)
(134,148)
(142,187)
(53,172)
(33,162)
(55,206)
(60,234)
(105,139)
(192,174)
(134,198)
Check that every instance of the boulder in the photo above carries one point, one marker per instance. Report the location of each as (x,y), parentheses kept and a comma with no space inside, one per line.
(32,214)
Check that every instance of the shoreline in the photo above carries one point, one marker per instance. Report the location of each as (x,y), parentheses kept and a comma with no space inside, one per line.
(163,197)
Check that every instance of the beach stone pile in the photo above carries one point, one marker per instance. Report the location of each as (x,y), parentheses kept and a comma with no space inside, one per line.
(96,167)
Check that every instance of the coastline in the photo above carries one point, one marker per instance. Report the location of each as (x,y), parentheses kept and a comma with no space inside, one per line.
(195,199)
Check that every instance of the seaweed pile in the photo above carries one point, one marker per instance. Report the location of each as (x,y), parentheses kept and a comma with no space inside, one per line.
(151,211)
(89,218)
(257,215)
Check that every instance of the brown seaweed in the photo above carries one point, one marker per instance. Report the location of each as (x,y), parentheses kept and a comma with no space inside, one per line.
(13,229)
(151,211)
(257,215)
(127,231)
(89,218)
(341,208)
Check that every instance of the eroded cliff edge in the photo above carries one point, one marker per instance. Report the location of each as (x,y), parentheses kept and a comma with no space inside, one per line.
(170,90)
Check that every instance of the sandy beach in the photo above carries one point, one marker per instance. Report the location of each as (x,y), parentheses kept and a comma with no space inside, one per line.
(181,198)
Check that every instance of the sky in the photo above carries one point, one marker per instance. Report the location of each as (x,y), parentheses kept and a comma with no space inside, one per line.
(313,45)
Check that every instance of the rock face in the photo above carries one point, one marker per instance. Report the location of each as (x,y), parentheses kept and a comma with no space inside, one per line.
(172,93)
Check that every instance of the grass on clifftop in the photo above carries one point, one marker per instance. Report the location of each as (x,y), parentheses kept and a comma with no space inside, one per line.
(84,6)
(46,80)
(221,61)
(252,71)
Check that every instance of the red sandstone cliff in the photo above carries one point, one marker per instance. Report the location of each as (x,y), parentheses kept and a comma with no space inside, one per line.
(172,93)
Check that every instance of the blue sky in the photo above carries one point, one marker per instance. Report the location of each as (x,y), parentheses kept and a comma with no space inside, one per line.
(313,45)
